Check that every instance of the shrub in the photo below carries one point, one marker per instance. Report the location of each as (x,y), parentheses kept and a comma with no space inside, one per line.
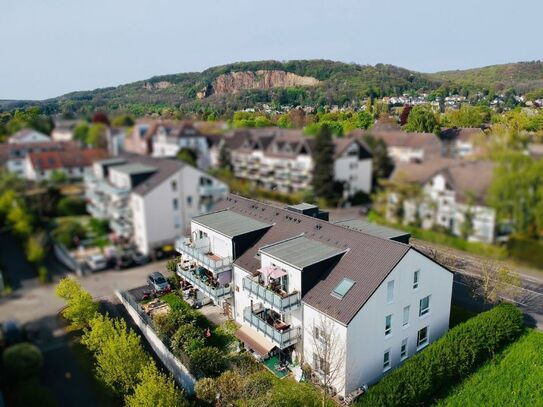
(22,361)
(68,232)
(188,338)
(426,376)
(526,250)
(206,390)
(155,389)
(167,325)
(210,360)
(80,307)
(70,206)
(43,274)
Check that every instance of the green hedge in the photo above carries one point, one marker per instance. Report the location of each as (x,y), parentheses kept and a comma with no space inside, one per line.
(430,374)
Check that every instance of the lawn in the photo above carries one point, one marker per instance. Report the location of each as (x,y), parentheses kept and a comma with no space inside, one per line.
(513,377)
(173,300)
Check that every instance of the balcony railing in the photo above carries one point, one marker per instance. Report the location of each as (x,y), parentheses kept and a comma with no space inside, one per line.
(96,212)
(282,339)
(212,189)
(121,227)
(198,254)
(213,292)
(271,298)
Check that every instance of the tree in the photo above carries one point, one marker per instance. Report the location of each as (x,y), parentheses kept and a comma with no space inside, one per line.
(323,164)
(97,136)
(466,116)
(20,220)
(81,132)
(364,120)
(22,361)
(422,119)
(382,164)
(188,156)
(405,114)
(35,252)
(123,120)
(225,160)
(187,339)
(210,360)
(71,206)
(59,177)
(155,389)
(496,282)
(80,308)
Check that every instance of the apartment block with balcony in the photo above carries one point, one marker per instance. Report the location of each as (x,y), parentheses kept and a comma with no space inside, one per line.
(149,201)
(289,277)
(282,159)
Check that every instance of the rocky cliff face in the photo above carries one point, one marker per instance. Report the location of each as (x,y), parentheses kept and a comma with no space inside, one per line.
(235,82)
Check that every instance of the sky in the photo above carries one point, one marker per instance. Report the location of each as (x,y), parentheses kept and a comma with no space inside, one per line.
(57,46)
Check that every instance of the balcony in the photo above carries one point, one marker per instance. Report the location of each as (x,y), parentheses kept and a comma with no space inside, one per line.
(278,301)
(205,190)
(96,212)
(281,337)
(113,191)
(199,252)
(121,227)
(212,291)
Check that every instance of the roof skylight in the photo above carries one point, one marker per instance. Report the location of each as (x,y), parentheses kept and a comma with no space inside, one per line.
(342,288)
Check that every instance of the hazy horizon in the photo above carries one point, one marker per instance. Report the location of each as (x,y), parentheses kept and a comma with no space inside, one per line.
(58,47)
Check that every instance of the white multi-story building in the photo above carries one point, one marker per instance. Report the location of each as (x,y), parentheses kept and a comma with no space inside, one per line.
(453,192)
(293,280)
(150,201)
(282,159)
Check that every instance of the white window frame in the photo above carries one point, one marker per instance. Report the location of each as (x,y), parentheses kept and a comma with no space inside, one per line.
(388,326)
(424,311)
(404,350)
(422,345)
(386,360)
(416,279)
(390,292)
(406,311)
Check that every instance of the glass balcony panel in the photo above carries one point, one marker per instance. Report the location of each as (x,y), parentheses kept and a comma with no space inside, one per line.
(197,252)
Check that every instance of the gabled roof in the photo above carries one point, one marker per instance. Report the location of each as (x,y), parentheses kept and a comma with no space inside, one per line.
(50,160)
(367,260)
(399,138)
(465,134)
(23,133)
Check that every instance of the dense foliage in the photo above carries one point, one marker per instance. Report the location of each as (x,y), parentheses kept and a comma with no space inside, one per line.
(429,374)
(22,361)
(512,377)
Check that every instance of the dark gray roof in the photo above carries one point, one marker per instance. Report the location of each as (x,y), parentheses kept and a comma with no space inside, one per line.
(301,252)
(367,260)
(364,226)
(134,168)
(229,223)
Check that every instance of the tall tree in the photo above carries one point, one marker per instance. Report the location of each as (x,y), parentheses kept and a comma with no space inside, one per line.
(225,158)
(188,155)
(323,164)
(422,119)
(155,389)
(382,164)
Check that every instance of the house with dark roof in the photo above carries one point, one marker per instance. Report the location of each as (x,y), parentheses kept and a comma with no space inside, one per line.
(149,201)
(453,196)
(461,141)
(72,163)
(282,159)
(298,285)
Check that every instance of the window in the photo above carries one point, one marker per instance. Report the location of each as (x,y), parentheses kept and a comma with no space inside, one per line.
(175,204)
(390,291)
(342,288)
(189,200)
(386,360)
(406,315)
(403,350)
(416,276)
(424,306)
(316,332)
(320,364)
(174,186)
(388,325)
(422,338)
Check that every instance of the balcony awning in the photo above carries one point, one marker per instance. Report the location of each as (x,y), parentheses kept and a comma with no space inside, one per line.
(253,340)
(272,271)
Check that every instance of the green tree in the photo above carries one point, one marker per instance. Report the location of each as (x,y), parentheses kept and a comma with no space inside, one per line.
(35,252)
(382,164)
(323,167)
(81,132)
(422,119)
(22,361)
(466,116)
(80,307)
(188,156)
(59,177)
(123,120)
(97,135)
(225,159)
(187,339)
(20,220)
(210,360)
(155,389)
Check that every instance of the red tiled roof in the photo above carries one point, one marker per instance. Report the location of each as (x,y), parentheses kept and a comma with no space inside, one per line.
(50,160)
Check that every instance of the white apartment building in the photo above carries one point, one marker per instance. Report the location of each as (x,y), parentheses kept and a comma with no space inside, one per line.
(150,201)
(281,159)
(453,192)
(289,278)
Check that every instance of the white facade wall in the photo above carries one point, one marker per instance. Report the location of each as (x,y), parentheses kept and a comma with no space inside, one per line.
(406,154)
(62,134)
(366,340)
(164,146)
(356,172)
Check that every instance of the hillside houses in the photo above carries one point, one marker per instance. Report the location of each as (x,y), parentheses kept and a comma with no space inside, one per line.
(289,279)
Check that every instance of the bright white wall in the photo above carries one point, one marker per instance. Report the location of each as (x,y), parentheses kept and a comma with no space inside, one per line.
(366,341)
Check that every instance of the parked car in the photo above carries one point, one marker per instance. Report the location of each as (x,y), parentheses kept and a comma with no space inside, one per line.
(139,258)
(158,283)
(96,262)
(124,261)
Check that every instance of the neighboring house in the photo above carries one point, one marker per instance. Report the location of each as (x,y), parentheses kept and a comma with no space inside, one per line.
(64,130)
(282,159)
(453,192)
(13,155)
(288,277)
(461,141)
(169,139)
(72,163)
(404,147)
(25,136)
(149,201)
